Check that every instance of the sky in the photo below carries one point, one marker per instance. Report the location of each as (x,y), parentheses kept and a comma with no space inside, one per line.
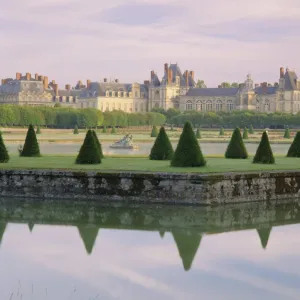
(71,40)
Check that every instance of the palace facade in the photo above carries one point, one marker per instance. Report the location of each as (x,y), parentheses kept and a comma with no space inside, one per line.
(175,89)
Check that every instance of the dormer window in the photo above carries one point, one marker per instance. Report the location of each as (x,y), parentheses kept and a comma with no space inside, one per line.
(107,93)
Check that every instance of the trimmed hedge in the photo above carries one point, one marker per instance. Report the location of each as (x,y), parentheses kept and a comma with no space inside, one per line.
(76,131)
(245,134)
(236,147)
(287,133)
(198,134)
(154,132)
(294,150)
(38,130)
(222,132)
(264,153)
(31,146)
(4,157)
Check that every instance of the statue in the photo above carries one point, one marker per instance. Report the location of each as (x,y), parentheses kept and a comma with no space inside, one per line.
(125,143)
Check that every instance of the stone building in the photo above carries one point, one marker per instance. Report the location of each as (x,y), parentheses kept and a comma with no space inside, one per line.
(112,95)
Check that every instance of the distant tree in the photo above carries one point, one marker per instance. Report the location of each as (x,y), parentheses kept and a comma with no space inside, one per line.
(201,84)
(264,153)
(222,132)
(245,134)
(162,148)
(188,152)
(4,157)
(236,147)
(104,130)
(225,85)
(31,146)
(198,134)
(57,105)
(113,130)
(38,130)
(251,129)
(235,85)
(76,131)
(154,131)
(287,133)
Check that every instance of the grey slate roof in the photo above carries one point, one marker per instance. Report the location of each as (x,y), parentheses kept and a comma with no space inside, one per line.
(267,91)
(289,78)
(212,92)
(155,81)
(177,72)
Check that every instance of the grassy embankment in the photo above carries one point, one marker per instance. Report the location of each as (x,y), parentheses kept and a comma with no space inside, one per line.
(140,164)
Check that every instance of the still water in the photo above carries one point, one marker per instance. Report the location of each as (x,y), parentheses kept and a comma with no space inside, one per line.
(144,148)
(86,251)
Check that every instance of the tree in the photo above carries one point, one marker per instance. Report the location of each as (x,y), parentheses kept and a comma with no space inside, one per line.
(222,133)
(162,148)
(38,130)
(225,85)
(264,154)
(4,157)
(245,134)
(235,85)
(154,131)
(198,134)
(113,130)
(99,147)
(104,130)
(76,131)
(251,129)
(57,105)
(236,147)
(88,153)
(294,150)
(200,84)
(287,133)
(188,152)
(31,147)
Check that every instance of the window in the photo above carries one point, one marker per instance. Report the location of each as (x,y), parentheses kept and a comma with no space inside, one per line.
(68,99)
(60,99)
(53,98)
(230,105)
(267,105)
(198,105)
(107,94)
(189,105)
(219,106)
(74,99)
(209,106)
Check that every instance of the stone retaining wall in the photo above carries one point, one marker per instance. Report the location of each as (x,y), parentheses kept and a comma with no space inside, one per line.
(151,187)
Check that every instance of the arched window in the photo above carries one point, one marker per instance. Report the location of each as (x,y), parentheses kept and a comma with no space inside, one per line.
(230,105)
(209,106)
(267,105)
(219,105)
(189,105)
(198,105)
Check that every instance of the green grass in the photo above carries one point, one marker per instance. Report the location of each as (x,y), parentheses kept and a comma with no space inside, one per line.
(214,165)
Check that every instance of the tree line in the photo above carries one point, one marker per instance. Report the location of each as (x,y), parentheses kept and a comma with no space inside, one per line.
(60,117)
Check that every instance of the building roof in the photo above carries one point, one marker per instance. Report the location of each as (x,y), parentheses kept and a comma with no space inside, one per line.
(212,92)
(155,81)
(177,72)
(290,79)
(269,90)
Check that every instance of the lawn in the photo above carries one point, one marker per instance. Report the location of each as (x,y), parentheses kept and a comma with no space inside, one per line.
(214,165)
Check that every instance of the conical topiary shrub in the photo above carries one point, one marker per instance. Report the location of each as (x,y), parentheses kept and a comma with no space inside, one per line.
(287,133)
(104,130)
(264,154)
(172,128)
(38,130)
(294,150)
(198,134)
(236,147)
(76,131)
(113,130)
(222,132)
(99,147)
(31,147)
(251,129)
(162,148)
(89,153)
(245,134)
(4,157)
(154,132)
(188,152)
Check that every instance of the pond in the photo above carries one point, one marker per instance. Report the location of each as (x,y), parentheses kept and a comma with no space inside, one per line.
(60,250)
(144,148)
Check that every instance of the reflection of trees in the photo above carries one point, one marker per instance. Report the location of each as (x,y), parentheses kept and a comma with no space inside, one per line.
(2,230)
(264,235)
(187,245)
(30,226)
(88,235)
(162,233)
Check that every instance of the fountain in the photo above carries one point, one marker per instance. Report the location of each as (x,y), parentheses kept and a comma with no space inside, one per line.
(125,143)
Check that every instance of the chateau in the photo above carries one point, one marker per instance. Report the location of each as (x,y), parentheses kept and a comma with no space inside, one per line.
(174,90)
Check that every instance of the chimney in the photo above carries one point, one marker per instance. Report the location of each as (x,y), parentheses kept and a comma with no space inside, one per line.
(105,79)
(28,76)
(46,82)
(192,73)
(281,72)
(55,88)
(166,69)
(88,84)
(152,75)
(146,82)
(187,78)
(18,76)
(36,76)
(53,82)
(68,87)
(79,83)
(3,81)
(170,76)
(41,78)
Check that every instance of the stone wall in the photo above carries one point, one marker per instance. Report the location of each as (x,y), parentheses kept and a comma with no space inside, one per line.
(150,187)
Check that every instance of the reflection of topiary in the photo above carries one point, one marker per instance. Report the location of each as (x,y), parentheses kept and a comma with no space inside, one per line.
(113,130)
(4,157)
(88,153)
(287,133)
(154,132)
(31,147)
(38,130)
(236,147)
(294,150)
(104,129)
(162,148)
(264,154)
(76,131)
(188,152)
(221,131)
(245,134)
(198,134)
(99,147)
